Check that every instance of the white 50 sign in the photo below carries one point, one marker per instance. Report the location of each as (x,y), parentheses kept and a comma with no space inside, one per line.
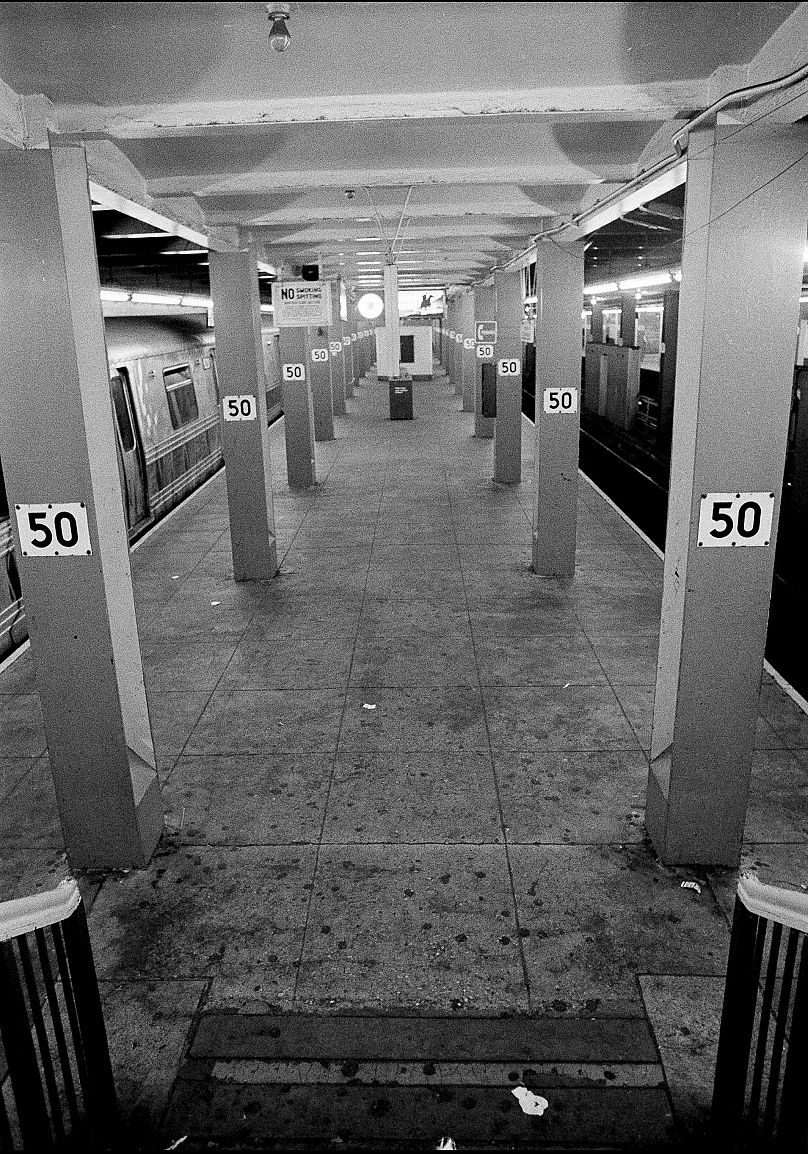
(485,352)
(509,368)
(319,355)
(335,347)
(53,530)
(735,519)
(294,372)
(561,400)
(241,407)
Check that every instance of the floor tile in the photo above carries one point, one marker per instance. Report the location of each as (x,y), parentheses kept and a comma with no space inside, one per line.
(204,912)
(425,926)
(552,659)
(439,718)
(268,721)
(247,800)
(581,717)
(585,798)
(289,663)
(413,798)
(597,916)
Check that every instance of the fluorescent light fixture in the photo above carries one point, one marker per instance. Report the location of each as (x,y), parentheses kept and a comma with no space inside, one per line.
(531,300)
(133,233)
(155,299)
(367,252)
(611,312)
(646,281)
(803,300)
(366,239)
(183,251)
(677,275)
(585,313)
(196,302)
(607,287)
(650,308)
(114,295)
(805,255)
(267,308)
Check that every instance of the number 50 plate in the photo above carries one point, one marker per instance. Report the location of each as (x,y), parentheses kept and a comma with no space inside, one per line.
(735,520)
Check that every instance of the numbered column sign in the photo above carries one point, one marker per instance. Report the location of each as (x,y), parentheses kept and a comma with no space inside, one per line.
(319,355)
(511,367)
(735,519)
(335,347)
(239,408)
(58,529)
(561,400)
(485,352)
(294,372)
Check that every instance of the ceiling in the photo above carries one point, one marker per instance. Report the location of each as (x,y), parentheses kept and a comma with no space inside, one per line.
(450,133)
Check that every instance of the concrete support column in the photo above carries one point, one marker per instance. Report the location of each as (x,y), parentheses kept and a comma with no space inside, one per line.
(597,322)
(455,366)
(559,292)
(57,442)
(667,375)
(298,409)
(243,413)
(353,344)
(391,320)
(335,349)
(508,429)
(468,359)
(628,318)
(322,390)
(485,371)
(745,219)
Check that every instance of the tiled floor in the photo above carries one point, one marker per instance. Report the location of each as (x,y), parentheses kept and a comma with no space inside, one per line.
(406,774)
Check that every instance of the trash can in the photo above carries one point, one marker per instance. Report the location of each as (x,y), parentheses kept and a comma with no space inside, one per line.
(400,399)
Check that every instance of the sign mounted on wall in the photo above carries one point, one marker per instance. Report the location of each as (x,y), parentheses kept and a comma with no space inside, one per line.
(561,400)
(486,331)
(509,368)
(730,520)
(239,407)
(485,352)
(54,529)
(302,303)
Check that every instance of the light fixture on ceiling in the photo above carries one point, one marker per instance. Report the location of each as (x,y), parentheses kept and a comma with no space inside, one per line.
(279,36)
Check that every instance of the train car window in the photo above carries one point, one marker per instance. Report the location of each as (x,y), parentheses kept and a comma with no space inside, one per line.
(118,387)
(181,396)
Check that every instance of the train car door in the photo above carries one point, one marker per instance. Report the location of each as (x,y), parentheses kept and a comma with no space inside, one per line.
(130,451)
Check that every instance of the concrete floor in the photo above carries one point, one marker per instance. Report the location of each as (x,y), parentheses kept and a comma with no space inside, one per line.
(405,776)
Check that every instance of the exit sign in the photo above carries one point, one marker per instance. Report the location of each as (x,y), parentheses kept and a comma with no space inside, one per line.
(486,332)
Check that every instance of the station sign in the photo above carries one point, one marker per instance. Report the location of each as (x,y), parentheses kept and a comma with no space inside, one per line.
(485,352)
(54,529)
(560,400)
(319,356)
(302,303)
(486,332)
(239,407)
(291,372)
(509,367)
(735,520)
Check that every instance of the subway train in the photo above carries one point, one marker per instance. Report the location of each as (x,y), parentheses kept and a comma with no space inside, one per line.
(165,402)
(625,449)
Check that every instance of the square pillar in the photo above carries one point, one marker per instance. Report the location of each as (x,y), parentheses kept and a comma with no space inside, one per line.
(335,348)
(746,207)
(628,318)
(298,409)
(508,429)
(392,327)
(485,368)
(243,413)
(468,359)
(667,374)
(559,292)
(322,389)
(596,327)
(58,446)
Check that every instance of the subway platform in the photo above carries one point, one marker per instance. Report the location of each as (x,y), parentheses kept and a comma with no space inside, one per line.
(404,785)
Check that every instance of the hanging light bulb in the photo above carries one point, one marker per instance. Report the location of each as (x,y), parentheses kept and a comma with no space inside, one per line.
(279,36)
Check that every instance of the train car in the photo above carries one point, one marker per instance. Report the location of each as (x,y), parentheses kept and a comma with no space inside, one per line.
(165,402)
